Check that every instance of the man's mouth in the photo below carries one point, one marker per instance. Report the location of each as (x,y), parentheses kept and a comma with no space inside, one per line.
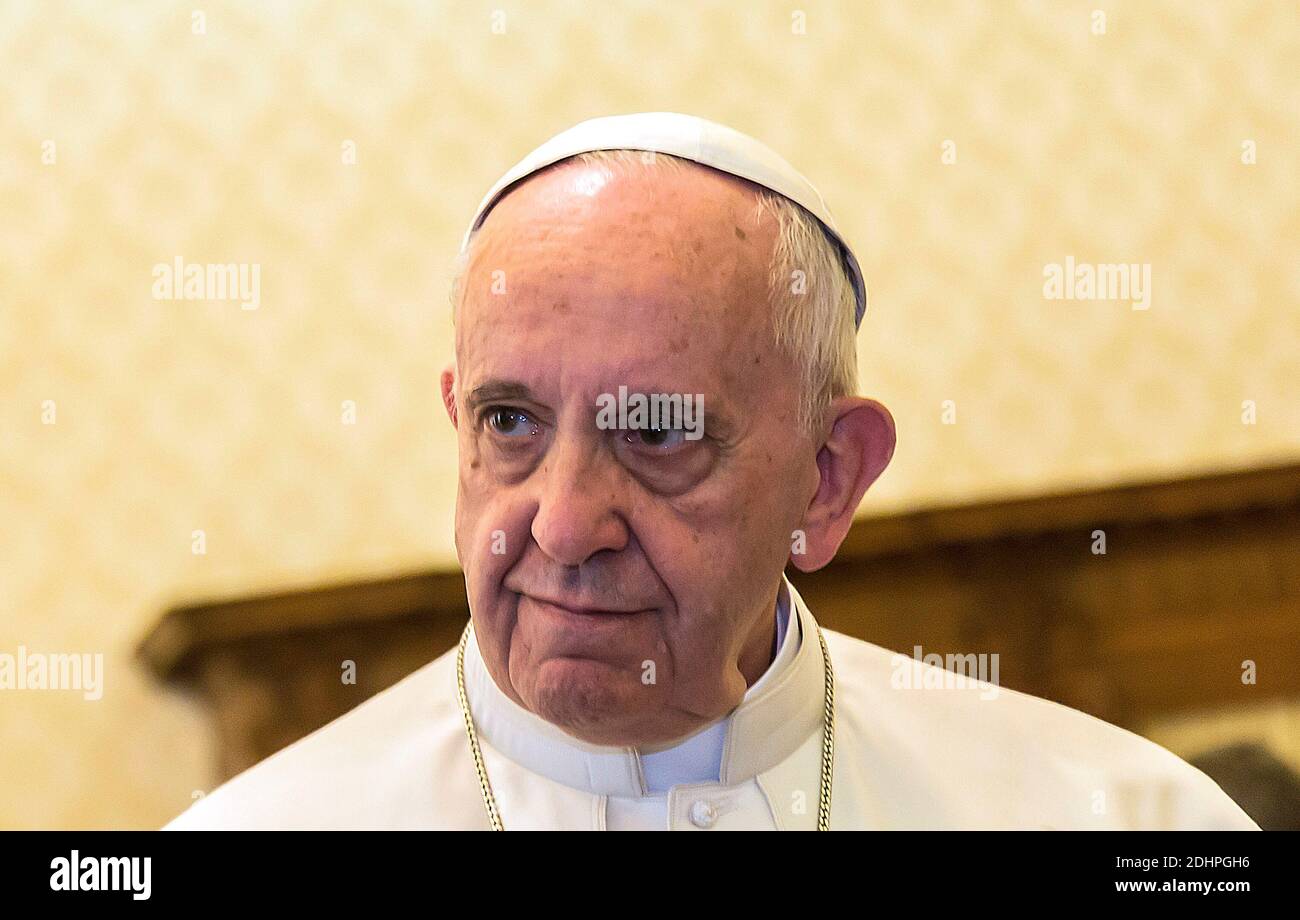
(583,608)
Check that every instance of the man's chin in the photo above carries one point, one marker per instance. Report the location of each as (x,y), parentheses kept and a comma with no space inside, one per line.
(597,703)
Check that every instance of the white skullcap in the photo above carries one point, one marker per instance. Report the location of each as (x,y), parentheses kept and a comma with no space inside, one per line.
(695,139)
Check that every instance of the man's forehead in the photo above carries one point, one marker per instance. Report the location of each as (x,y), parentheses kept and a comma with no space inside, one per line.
(573,359)
(504,377)
(623,316)
(682,233)
(629,253)
(594,344)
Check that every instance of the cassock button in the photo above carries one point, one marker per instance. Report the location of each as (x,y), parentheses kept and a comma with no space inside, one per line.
(703,814)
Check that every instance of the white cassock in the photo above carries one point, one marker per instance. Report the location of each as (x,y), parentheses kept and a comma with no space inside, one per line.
(914,754)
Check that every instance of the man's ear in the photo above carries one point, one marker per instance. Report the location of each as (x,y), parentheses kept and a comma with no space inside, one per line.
(856,452)
(449,393)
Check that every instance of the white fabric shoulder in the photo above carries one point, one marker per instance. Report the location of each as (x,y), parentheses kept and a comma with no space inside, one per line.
(398,760)
(922,754)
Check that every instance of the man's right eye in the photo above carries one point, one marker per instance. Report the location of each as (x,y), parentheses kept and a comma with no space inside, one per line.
(510,423)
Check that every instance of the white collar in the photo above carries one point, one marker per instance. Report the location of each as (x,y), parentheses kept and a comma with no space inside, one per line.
(776,715)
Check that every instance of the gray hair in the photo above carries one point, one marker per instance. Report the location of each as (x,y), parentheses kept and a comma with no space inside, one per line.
(812,298)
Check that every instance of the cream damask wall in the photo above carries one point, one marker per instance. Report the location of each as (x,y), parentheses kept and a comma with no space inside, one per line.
(342,147)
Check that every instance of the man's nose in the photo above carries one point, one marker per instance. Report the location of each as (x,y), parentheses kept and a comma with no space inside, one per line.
(576,508)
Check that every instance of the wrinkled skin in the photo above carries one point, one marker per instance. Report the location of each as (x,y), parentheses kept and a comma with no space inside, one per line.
(623,584)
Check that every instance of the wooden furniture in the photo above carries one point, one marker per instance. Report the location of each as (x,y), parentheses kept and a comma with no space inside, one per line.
(1199,576)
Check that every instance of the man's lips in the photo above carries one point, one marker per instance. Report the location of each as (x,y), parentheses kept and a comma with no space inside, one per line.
(585,631)
(582,609)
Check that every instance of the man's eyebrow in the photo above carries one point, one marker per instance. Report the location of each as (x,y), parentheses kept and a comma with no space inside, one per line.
(495,390)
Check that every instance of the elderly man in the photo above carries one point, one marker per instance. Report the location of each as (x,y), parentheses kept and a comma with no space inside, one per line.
(637,659)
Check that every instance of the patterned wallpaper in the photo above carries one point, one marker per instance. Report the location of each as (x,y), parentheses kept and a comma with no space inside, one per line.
(964,148)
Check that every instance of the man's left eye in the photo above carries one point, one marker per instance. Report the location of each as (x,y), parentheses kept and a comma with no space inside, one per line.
(511,423)
(661,439)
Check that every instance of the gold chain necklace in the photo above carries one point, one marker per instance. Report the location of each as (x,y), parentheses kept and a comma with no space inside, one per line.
(828,737)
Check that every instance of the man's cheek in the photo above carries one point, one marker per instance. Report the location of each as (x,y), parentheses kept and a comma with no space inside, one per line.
(499,535)
(694,563)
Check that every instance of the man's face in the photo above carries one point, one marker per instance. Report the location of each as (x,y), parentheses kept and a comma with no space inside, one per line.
(623,583)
